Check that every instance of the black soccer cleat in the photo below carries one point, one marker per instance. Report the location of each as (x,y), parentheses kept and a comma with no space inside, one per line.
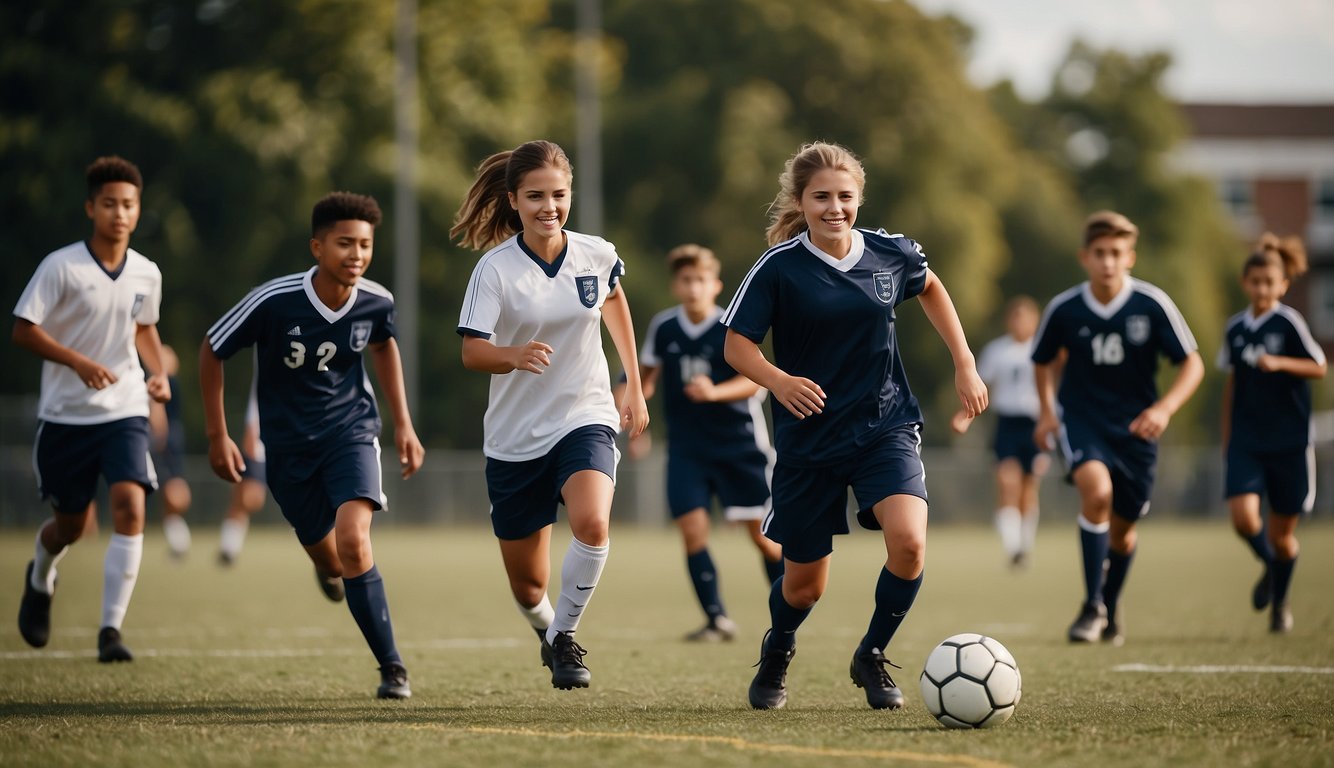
(720,629)
(393,682)
(110,648)
(769,688)
(331,586)
(1111,631)
(1263,591)
(868,673)
(565,658)
(1090,623)
(1280,619)
(226,559)
(34,613)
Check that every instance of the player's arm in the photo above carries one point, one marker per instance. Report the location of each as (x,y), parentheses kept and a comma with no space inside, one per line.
(1226,421)
(701,389)
(148,344)
(1152,421)
(223,455)
(35,339)
(799,395)
(940,311)
(1301,367)
(389,372)
(616,316)
(648,380)
(483,355)
(1045,376)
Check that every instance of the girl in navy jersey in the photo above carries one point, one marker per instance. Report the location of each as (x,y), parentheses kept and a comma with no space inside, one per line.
(1270,357)
(532,318)
(829,291)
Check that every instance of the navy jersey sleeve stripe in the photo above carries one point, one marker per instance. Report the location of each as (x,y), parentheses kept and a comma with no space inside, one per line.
(1174,316)
(1298,322)
(1041,356)
(221,330)
(741,291)
(648,354)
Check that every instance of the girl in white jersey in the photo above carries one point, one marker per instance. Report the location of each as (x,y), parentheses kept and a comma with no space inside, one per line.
(532,318)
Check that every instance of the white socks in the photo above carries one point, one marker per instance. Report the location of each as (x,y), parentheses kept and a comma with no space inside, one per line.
(44,566)
(1030,529)
(120,571)
(540,615)
(177,533)
(1009,524)
(233,535)
(579,573)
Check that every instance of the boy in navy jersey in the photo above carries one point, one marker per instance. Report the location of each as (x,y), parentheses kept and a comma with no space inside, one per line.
(1110,332)
(718,444)
(317,412)
(1270,358)
(828,291)
(90,312)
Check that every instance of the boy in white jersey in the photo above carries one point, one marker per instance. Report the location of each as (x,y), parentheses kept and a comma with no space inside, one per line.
(1006,367)
(90,312)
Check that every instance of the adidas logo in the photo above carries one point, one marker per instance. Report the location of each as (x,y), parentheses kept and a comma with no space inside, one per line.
(296,331)
(673,347)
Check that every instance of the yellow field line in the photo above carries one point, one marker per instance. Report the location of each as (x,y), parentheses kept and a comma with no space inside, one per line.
(744,745)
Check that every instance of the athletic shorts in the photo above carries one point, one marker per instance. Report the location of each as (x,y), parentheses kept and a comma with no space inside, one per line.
(310,486)
(1014,440)
(524,494)
(1287,477)
(170,461)
(740,481)
(254,470)
(67,458)
(1131,461)
(810,504)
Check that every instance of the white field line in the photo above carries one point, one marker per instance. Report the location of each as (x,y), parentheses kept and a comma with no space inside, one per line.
(1224,669)
(456,643)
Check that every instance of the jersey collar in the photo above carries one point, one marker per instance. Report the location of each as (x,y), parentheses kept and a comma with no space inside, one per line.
(330,315)
(549,269)
(696,330)
(1108,310)
(844,264)
(111,273)
(1255,321)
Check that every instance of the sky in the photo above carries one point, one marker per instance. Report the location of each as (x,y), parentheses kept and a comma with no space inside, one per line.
(1244,51)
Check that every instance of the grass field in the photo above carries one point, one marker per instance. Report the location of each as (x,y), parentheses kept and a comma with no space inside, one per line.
(251,666)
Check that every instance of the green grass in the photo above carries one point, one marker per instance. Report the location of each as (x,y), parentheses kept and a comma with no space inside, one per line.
(252,666)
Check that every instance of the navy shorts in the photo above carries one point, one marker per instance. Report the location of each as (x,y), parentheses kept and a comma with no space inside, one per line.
(1131,461)
(524,494)
(170,461)
(740,481)
(1014,440)
(254,470)
(1288,477)
(810,504)
(67,459)
(310,486)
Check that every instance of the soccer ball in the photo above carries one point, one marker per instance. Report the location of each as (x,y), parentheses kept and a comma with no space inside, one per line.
(971,681)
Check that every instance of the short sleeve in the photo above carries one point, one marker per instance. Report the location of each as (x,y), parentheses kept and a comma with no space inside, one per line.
(752,309)
(236,330)
(1048,342)
(1300,340)
(1174,336)
(617,272)
(481,302)
(986,363)
(648,354)
(386,328)
(914,270)
(43,293)
(151,310)
(1224,360)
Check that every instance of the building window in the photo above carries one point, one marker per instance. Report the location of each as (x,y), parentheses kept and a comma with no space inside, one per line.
(1324,199)
(1237,196)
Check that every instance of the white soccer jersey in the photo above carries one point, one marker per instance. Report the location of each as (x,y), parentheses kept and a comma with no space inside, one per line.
(96,313)
(513,298)
(1006,366)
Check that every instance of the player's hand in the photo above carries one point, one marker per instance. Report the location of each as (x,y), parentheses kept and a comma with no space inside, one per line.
(961,422)
(1150,423)
(638,447)
(800,396)
(533,357)
(972,391)
(634,412)
(159,388)
(93,375)
(225,459)
(1044,434)
(411,454)
(1269,363)
(701,389)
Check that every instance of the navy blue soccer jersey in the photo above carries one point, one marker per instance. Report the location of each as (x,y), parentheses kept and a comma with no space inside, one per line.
(1271,410)
(310,380)
(1109,376)
(682,350)
(833,323)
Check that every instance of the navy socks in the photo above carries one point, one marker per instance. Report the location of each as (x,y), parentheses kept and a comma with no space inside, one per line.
(704,576)
(785,619)
(1118,565)
(893,597)
(366,600)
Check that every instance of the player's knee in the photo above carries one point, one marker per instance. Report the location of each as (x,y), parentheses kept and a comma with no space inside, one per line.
(907,557)
(1285,547)
(354,552)
(527,592)
(594,532)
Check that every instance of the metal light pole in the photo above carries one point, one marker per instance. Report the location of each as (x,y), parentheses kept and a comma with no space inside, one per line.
(407,231)
(588,116)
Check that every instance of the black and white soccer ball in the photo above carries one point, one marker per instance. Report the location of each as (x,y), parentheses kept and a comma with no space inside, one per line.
(971,681)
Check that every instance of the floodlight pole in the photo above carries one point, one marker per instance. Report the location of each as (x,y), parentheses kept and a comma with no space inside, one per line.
(588,117)
(407,230)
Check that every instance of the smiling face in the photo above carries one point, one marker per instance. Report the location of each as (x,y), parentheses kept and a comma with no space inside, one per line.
(1265,284)
(543,202)
(114,211)
(343,251)
(829,203)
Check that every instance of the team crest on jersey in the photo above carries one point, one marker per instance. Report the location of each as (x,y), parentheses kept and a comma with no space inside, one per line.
(361,334)
(1274,343)
(588,290)
(138,304)
(1137,329)
(884,286)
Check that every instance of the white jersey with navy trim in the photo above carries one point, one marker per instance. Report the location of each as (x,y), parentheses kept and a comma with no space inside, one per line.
(833,322)
(1006,365)
(1271,410)
(515,297)
(97,314)
(310,378)
(1113,348)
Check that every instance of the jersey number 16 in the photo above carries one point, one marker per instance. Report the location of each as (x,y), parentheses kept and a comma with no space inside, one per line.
(1107,349)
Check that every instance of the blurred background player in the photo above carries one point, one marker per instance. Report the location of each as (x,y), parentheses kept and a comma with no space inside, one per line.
(1270,358)
(1110,331)
(1006,366)
(248,496)
(532,318)
(90,312)
(318,412)
(718,444)
(168,430)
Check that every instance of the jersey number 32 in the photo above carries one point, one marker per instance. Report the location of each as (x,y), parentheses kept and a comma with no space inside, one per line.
(323,354)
